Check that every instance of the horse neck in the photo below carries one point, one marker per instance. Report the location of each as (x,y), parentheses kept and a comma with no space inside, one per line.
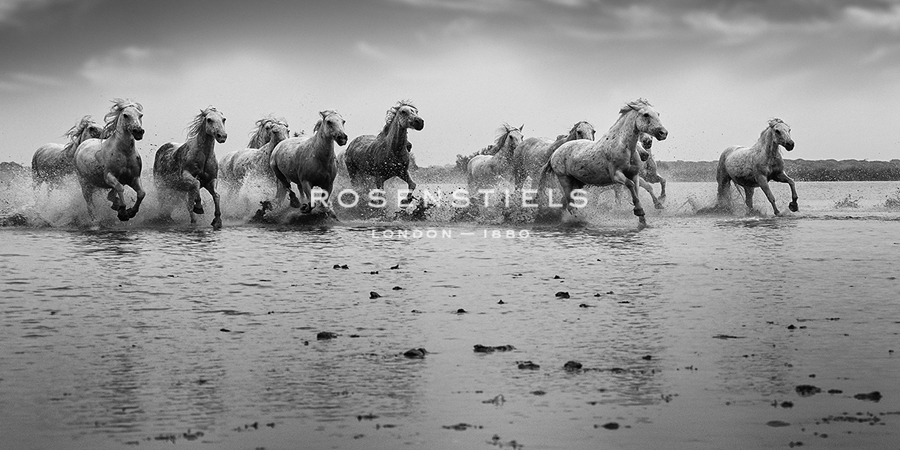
(323,147)
(269,146)
(767,144)
(122,141)
(625,130)
(503,155)
(396,137)
(204,145)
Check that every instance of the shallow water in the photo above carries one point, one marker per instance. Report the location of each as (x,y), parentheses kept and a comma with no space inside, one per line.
(692,333)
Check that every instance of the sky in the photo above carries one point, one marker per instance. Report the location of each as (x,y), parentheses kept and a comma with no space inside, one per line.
(715,70)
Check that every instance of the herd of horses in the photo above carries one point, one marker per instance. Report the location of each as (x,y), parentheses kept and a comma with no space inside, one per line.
(104,157)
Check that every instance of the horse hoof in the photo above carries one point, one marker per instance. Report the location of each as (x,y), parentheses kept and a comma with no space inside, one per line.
(658,206)
(123,215)
(793,206)
(305,208)
(217,223)
(639,212)
(198,209)
(132,213)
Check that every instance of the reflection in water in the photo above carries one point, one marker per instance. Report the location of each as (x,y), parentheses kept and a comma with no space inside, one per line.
(128,335)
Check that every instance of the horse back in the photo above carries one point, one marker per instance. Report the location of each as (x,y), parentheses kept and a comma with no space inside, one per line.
(360,153)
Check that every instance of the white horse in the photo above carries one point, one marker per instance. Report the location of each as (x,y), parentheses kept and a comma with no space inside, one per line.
(751,167)
(308,161)
(530,157)
(484,170)
(53,162)
(113,162)
(612,159)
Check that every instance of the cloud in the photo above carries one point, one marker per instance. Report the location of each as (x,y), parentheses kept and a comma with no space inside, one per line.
(732,29)
(130,65)
(875,19)
(462,5)
(22,82)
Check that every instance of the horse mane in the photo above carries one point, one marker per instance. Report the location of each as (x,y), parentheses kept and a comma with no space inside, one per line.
(196,125)
(774,121)
(111,118)
(392,113)
(634,105)
(74,133)
(324,115)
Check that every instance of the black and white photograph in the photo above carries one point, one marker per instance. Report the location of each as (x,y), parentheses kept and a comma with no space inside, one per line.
(449,224)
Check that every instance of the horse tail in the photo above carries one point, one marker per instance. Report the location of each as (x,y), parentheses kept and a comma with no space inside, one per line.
(542,184)
(723,179)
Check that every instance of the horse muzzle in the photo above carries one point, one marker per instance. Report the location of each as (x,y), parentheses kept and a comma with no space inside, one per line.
(661,134)
(341,140)
(789,145)
(221,137)
(138,133)
(418,123)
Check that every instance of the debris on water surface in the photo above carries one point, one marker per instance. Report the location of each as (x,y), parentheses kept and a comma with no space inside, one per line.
(397,288)
(835,391)
(501,302)
(461,426)
(527,365)
(225,330)
(806,390)
(727,336)
(609,426)
(461,311)
(491,349)
(369,416)
(864,418)
(373,295)
(415,353)
(395,267)
(777,423)
(873,396)
(562,294)
(323,335)
(538,392)
(585,305)
(557,277)
(496,441)
(787,404)
(647,357)
(793,444)
(341,266)
(572,366)
(497,400)
(192,436)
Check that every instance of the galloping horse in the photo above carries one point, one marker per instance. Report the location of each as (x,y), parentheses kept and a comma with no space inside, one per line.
(181,170)
(238,164)
(113,161)
(530,157)
(308,161)
(611,159)
(648,174)
(483,170)
(53,162)
(754,166)
(386,155)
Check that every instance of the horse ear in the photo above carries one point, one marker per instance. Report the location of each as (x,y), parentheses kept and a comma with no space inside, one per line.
(522,128)
(322,113)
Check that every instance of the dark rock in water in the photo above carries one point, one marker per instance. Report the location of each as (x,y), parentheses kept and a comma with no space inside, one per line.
(806,390)
(835,391)
(501,302)
(397,288)
(461,311)
(527,365)
(608,426)
(538,392)
(488,349)
(572,366)
(791,327)
(340,266)
(647,357)
(395,267)
(873,396)
(585,305)
(322,335)
(459,427)
(787,404)
(415,353)
(373,295)
(562,294)
(557,277)
(366,417)
(777,423)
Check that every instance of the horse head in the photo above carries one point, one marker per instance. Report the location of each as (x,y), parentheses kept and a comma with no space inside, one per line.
(332,126)
(510,138)
(647,120)
(407,116)
(278,131)
(582,130)
(84,130)
(212,123)
(125,116)
(781,133)
(646,142)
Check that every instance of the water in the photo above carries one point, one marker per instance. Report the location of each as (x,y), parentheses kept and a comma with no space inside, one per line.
(692,333)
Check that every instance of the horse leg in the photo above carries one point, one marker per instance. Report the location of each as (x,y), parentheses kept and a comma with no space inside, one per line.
(139,191)
(305,192)
(649,188)
(211,188)
(120,192)
(565,183)
(662,184)
(87,191)
(632,185)
(748,199)
(113,197)
(764,185)
(410,184)
(782,177)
